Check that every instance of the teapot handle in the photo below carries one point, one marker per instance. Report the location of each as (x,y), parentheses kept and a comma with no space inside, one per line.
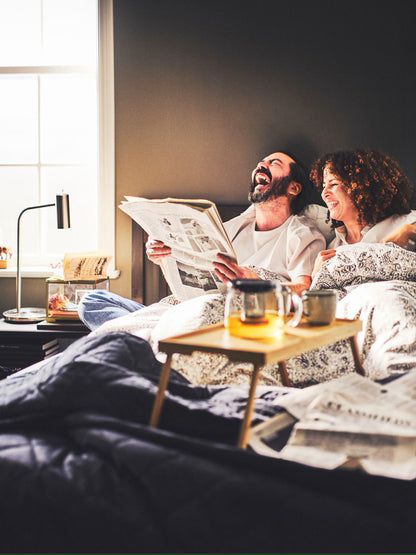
(297,305)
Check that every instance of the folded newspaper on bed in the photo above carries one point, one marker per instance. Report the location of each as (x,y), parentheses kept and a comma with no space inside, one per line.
(193,229)
(350,422)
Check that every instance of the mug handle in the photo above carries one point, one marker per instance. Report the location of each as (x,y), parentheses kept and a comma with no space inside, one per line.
(297,305)
(305,305)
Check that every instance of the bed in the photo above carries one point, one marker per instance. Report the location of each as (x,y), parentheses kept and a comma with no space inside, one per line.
(375,282)
(81,471)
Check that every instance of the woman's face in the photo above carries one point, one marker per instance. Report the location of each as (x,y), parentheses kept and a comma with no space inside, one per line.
(335,196)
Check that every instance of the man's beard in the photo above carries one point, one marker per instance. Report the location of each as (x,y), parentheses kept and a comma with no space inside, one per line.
(276,188)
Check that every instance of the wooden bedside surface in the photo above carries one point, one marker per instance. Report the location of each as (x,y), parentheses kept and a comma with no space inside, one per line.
(8,329)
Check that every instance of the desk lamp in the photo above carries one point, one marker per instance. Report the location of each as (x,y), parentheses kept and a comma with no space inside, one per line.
(21,315)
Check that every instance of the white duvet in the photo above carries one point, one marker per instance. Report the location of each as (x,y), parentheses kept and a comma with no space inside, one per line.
(374,282)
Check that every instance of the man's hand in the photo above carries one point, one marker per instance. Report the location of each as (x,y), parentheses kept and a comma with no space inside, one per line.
(226,269)
(320,259)
(403,236)
(156,250)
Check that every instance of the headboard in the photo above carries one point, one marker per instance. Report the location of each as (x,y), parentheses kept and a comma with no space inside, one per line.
(148,283)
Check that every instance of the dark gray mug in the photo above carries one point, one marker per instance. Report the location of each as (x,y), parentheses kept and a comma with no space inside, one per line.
(319,306)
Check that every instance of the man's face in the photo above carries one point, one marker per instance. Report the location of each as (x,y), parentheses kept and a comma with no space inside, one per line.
(270,178)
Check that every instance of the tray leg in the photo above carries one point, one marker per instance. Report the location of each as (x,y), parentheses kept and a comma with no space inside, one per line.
(283,373)
(357,361)
(163,381)
(245,424)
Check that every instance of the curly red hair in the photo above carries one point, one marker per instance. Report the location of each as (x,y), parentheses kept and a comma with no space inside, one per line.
(374,181)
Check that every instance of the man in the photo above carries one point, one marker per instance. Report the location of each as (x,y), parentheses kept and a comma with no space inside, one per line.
(271,234)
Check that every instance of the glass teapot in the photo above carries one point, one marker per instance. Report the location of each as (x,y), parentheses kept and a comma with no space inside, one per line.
(257,308)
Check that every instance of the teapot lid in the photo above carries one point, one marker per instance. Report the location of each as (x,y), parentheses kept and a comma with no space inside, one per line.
(246,285)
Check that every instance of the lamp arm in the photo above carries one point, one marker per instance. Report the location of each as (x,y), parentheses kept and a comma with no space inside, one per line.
(18,276)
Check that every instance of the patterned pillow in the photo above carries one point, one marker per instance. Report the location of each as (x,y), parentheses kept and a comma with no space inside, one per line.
(365,262)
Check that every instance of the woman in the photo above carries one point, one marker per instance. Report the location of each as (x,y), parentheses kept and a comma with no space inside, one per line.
(369,199)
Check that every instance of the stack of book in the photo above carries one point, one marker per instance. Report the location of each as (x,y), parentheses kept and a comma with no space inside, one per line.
(20,353)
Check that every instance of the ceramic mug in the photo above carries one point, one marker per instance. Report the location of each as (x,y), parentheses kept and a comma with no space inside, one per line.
(319,306)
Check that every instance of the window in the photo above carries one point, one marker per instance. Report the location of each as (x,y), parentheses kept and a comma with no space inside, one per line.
(56,124)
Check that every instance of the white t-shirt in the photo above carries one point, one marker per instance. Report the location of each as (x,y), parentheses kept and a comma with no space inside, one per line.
(375,233)
(289,250)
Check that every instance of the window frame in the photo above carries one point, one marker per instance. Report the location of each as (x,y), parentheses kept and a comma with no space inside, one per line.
(105,134)
(106,129)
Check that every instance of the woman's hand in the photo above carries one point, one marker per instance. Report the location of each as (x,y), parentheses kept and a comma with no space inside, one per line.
(299,284)
(320,259)
(403,236)
(156,250)
(226,269)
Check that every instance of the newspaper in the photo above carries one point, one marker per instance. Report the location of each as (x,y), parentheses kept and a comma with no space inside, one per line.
(350,422)
(193,229)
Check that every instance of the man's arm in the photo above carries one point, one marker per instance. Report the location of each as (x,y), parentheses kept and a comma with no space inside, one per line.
(304,249)
(226,269)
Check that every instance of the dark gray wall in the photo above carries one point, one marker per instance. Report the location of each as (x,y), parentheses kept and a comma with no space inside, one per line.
(205,89)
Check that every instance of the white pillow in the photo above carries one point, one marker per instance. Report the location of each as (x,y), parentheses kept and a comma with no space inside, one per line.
(319,215)
(189,315)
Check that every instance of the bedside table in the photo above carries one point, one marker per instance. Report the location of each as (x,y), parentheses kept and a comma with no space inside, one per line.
(24,344)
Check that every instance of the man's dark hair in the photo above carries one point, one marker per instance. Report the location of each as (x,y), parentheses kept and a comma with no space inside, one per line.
(309,193)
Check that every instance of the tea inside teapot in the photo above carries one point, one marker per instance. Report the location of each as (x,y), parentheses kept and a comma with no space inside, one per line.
(254,308)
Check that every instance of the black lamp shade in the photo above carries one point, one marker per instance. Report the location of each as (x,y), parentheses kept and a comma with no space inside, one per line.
(62,211)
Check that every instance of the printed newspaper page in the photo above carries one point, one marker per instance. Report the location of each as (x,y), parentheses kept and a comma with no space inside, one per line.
(351,421)
(194,231)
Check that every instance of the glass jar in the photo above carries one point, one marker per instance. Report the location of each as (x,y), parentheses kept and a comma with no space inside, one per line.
(257,308)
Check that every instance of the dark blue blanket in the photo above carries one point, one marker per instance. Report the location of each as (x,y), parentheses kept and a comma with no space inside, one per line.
(80,470)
